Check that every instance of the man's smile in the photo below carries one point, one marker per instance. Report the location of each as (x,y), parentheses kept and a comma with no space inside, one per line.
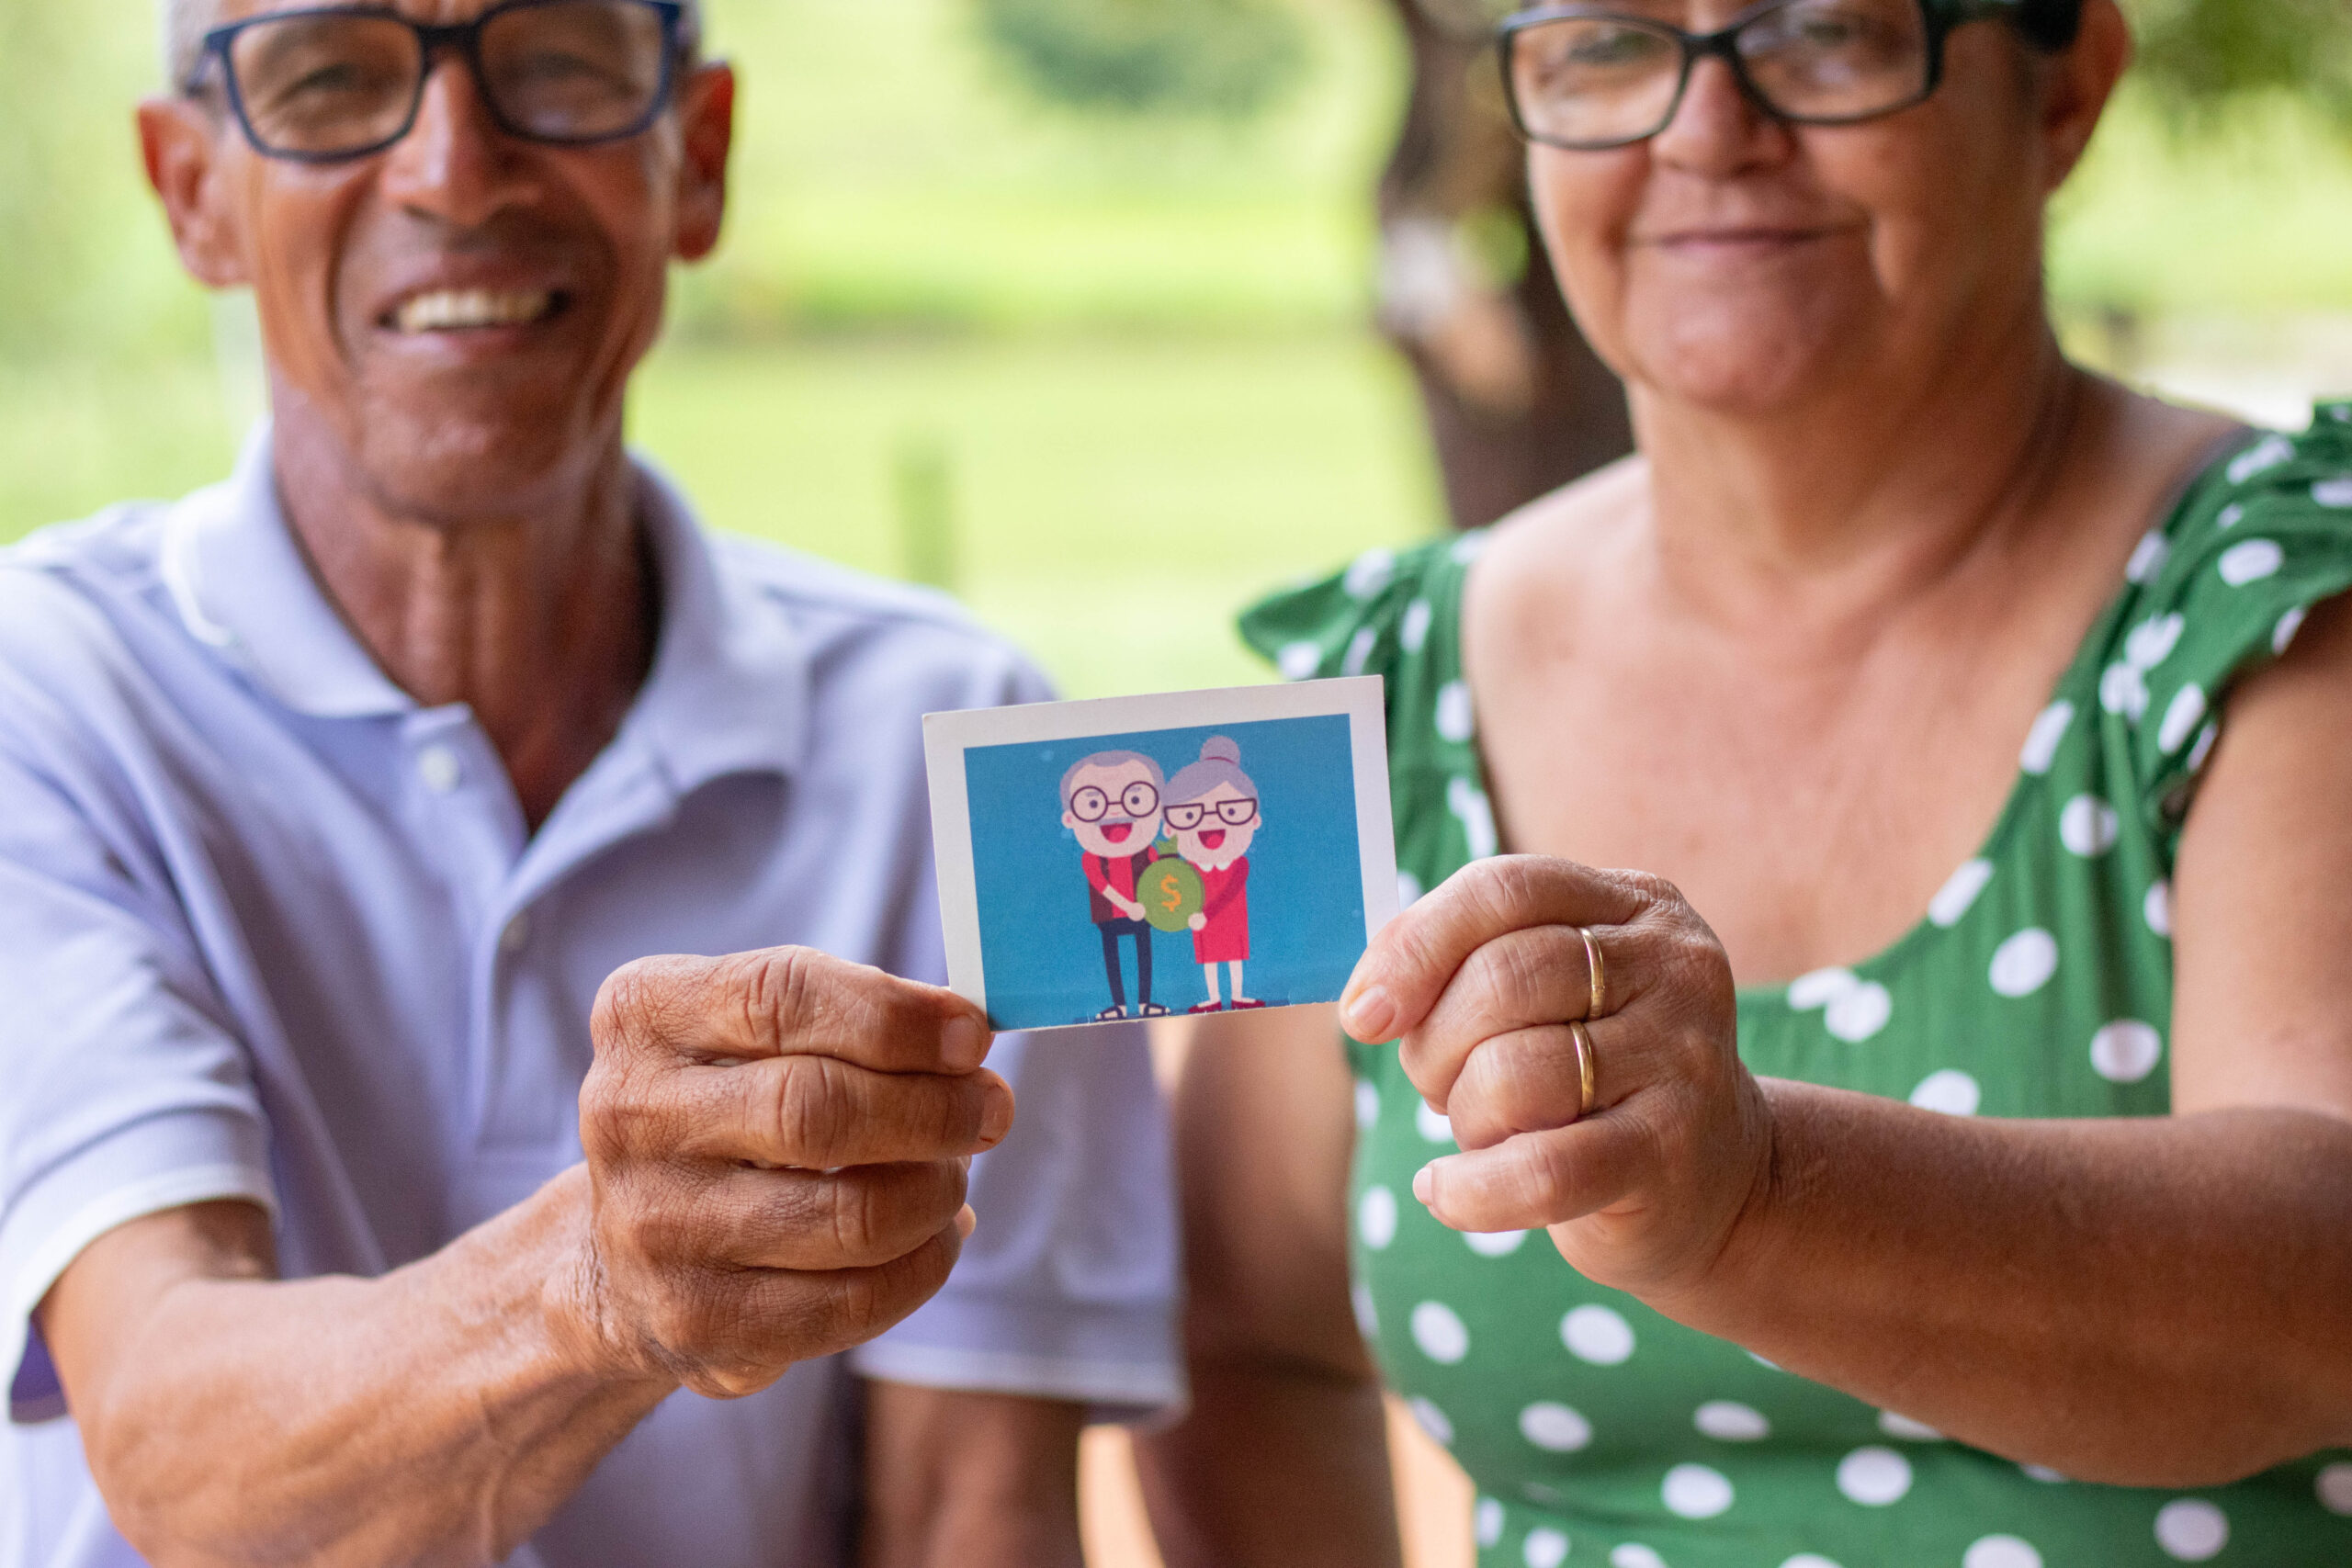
(466,310)
(1117,831)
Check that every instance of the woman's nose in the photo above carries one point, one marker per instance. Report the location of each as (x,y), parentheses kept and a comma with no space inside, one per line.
(1719,128)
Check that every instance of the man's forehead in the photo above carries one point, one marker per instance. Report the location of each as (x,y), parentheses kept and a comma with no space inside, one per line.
(442,11)
(1115,770)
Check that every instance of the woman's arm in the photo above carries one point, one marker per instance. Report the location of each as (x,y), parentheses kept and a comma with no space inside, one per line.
(1283,1459)
(969,1479)
(2139,1302)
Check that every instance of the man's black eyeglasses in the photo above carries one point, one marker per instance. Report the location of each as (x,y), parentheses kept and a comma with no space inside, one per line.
(1138,800)
(1232,813)
(1587,77)
(326,84)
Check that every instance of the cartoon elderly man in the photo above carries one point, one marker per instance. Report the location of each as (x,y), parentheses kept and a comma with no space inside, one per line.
(1111,801)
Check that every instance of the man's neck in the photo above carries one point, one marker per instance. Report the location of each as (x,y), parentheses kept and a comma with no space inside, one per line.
(540,616)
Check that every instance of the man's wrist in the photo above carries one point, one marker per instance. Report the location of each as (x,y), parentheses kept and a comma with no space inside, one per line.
(576,1299)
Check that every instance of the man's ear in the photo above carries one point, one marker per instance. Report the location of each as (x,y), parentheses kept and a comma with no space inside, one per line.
(707,119)
(2078,85)
(180,139)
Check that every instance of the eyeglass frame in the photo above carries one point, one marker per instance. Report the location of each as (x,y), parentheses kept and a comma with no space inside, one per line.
(435,40)
(1940,18)
(1108,801)
(1207,806)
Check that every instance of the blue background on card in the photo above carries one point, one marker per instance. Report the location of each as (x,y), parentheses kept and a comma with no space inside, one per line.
(1042,954)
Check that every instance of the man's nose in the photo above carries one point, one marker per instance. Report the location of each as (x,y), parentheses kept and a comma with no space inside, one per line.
(1718,129)
(455,164)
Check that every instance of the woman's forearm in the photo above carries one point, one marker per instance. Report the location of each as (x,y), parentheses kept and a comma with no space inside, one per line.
(439,1415)
(2136,1302)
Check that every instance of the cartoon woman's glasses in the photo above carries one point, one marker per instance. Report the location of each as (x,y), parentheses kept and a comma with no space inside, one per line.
(1232,813)
(1138,800)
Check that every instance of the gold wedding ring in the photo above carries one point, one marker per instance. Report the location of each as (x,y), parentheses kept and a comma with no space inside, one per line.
(1583,1037)
(1599,971)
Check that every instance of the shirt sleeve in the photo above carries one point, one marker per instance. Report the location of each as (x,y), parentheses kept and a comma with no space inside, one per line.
(127,1094)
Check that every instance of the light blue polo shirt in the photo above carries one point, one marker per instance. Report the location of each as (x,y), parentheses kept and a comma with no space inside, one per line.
(269,929)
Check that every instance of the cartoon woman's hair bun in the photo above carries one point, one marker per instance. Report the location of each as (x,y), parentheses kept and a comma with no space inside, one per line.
(1221,748)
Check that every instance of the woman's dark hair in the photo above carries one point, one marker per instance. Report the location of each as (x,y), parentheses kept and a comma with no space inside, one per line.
(2050,25)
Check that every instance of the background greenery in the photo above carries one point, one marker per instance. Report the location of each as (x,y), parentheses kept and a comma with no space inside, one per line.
(1120,353)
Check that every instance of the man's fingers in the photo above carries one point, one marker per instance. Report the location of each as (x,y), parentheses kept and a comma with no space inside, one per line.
(808,1113)
(808,1221)
(787,1002)
(1413,959)
(1537,1179)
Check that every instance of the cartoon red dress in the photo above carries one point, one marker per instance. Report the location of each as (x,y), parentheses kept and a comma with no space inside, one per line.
(1226,903)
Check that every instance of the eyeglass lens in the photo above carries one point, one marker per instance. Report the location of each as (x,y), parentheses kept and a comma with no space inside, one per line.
(1232,813)
(1607,80)
(1138,800)
(317,84)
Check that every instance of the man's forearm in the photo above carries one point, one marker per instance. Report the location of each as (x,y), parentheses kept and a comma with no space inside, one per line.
(439,1415)
(958,1480)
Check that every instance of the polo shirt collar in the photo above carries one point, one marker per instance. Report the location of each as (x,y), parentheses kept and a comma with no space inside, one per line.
(728,692)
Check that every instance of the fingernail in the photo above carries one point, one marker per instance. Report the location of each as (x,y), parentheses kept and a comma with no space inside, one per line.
(1370,1014)
(963,1044)
(997,1120)
(966,1221)
(1425,1184)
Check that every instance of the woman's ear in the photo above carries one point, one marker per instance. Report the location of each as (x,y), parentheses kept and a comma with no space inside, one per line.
(2076,85)
(180,141)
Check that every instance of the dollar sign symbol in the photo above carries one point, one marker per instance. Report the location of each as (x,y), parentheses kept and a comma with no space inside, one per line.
(1171,897)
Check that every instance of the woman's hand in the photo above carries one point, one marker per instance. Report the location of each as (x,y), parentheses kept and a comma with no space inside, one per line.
(1480,981)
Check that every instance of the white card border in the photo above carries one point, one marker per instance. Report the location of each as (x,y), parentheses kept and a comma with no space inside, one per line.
(1360,699)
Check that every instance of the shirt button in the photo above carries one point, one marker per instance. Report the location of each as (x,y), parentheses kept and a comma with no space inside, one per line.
(517,936)
(438,767)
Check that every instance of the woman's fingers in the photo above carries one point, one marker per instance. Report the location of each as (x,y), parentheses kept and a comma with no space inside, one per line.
(1526,1081)
(1412,961)
(1536,1179)
(1522,980)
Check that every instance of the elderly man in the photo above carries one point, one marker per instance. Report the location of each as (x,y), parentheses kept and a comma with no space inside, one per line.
(350,1209)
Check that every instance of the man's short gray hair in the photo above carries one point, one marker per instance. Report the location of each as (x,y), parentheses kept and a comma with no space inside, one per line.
(185,23)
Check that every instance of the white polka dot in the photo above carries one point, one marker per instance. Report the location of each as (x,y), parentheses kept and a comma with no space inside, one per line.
(1728,1421)
(2000,1551)
(1555,1428)
(1438,1330)
(2267,453)
(1874,1477)
(1904,1430)
(1696,1492)
(1415,630)
(2282,637)
(1820,989)
(1486,1521)
(2182,716)
(1859,1014)
(1476,814)
(1808,1560)
(1593,1333)
(2156,909)
(1455,719)
(1376,1217)
(1495,1244)
(2043,1473)
(2335,1487)
(2123,692)
(1634,1554)
(1468,547)
(1768,1366)
(1432,1420)
(2024,963)
(1367,1106)
(1434,1127)
(1367,1314)
(2334,492)
(2232,515)
(1359,649)
(2148,558)
(2202,751)
(1369,573)
(2126,1051)
(1544,1497)
(2041,742)
(1545,1547)
(2192,1530)
(2152,641)
(1298,661)
(2252,561)
(1956,897)
(2088,825)
(1950,1091)
(1409,890)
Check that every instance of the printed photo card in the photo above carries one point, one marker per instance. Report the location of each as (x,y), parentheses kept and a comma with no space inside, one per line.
(1142,857)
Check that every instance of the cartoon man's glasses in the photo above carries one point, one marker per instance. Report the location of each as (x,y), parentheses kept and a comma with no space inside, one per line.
(1137,801)
(1232,813)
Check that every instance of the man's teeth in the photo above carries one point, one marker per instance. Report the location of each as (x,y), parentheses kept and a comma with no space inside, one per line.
(454,310)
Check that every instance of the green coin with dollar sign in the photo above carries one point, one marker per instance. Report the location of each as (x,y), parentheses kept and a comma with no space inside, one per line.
(1170,891)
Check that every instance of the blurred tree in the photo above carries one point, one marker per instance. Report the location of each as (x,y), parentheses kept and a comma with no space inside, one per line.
(1225,59)
(2200,54)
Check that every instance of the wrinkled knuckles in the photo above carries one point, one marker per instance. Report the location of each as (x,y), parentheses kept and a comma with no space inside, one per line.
(778,997)
(810,1111)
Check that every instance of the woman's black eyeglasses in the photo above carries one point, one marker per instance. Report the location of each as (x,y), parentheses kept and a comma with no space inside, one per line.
(1586,77)
(1232,813)
(322,86)
(1138,800)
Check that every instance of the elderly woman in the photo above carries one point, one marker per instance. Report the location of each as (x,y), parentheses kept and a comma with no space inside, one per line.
(1952,1167)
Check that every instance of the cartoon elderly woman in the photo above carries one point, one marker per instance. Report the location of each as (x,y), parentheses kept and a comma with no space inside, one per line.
(1213,810)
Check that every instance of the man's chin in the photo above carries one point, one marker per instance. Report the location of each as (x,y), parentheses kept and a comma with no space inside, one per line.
(452,463)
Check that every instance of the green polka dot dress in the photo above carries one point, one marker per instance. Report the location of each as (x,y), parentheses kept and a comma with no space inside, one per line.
(2038,984)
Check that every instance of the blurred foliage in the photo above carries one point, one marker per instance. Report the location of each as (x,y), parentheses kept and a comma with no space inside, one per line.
(2199,54)
(1226,59)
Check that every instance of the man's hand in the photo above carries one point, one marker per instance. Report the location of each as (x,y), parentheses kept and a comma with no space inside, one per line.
(778,1145)
(1127,907)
